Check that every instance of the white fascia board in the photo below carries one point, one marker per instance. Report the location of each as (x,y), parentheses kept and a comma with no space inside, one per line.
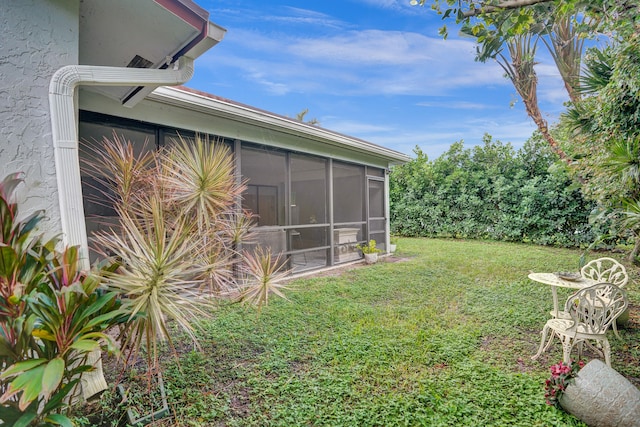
(220,108)
(214,35)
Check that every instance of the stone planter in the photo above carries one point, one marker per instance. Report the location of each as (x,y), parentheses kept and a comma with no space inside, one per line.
(623,320)
(601,397)
(370,258)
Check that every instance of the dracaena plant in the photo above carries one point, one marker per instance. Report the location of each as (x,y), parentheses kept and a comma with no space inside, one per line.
(262,277)
(158,276)
(176,241)
(51,316)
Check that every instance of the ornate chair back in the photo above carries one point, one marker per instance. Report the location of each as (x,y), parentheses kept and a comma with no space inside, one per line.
(595,308)
(606,270)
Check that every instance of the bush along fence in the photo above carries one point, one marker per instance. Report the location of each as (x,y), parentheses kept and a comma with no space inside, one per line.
(490,192)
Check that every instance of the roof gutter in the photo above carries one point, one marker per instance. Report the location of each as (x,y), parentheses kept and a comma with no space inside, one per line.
(196,102)
(65,131)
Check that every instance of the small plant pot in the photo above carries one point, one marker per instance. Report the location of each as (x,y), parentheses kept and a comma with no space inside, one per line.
(600,396)
(370,258)
(139,416)
(392,247)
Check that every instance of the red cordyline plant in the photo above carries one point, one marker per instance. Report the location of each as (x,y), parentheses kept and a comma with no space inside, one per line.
(562,375)
(52,315)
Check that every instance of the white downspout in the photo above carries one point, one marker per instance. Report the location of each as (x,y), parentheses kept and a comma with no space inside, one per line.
(65,131)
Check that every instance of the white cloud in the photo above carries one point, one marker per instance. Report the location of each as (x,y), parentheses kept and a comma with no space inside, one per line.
(393,85)
(455,105)
(306,17)
(435,134)
(281,15)
(356,62)
(395,5)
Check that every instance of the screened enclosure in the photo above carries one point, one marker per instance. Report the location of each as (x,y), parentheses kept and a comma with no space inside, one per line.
(312,210)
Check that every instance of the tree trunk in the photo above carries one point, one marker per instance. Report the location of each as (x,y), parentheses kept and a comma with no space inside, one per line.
(521,71)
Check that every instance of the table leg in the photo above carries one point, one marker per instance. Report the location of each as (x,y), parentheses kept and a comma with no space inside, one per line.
(554,292)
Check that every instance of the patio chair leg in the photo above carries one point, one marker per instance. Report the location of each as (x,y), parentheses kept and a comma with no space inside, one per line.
(607,352)
(567,346)
(543,347)
(597,348)
(615,329)
(580,347)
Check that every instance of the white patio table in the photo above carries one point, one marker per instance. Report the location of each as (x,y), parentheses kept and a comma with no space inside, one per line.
(556,282)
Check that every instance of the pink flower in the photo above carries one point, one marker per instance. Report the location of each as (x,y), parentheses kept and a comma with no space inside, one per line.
(562,376)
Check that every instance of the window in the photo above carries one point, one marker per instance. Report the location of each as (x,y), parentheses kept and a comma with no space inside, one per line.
(98,209)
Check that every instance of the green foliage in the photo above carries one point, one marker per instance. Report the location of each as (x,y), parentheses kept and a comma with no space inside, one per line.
(605,136)
(51,317)
(490,192)
(503,19)
(369,248)
(176,241)
(562,375)
(263,275)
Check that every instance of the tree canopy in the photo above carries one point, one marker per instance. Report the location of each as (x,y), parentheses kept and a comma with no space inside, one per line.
(599,134)
(512,17)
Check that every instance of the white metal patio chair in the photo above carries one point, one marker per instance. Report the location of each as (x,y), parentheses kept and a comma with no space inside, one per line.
(606,270)
(591,310)
(603,270)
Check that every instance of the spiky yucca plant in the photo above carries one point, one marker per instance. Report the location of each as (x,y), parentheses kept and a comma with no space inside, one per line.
(263,275)
(177,240)
(199,180)
(157,278)
(199,183)
(116,166)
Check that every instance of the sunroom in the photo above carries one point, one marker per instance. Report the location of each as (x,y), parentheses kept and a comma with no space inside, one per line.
(315,193)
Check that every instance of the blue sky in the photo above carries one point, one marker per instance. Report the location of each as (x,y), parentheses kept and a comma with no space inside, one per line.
(372,69)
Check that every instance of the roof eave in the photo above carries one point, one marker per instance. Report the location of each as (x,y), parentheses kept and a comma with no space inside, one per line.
(210,35)
(272,121)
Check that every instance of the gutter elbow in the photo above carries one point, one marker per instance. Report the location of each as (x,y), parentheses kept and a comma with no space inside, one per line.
(65,80)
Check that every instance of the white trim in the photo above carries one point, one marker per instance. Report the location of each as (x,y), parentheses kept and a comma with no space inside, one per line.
(387,212)
(65,134)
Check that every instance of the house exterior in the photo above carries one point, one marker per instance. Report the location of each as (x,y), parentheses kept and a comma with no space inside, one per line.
(75,71)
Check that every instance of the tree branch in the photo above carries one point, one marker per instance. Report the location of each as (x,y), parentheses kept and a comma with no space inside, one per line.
(507,4)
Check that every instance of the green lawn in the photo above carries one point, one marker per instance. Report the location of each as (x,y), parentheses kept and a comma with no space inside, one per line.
(442,337)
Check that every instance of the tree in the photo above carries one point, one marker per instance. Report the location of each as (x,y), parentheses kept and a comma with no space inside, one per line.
(489,192)
(621,16)
(603,117)
(605,128)
(518,25)
(300,117)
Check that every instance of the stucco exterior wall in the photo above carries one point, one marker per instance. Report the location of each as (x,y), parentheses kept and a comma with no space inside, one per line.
(39,37)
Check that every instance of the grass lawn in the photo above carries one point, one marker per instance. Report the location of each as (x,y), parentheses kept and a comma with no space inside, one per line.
(441,335)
